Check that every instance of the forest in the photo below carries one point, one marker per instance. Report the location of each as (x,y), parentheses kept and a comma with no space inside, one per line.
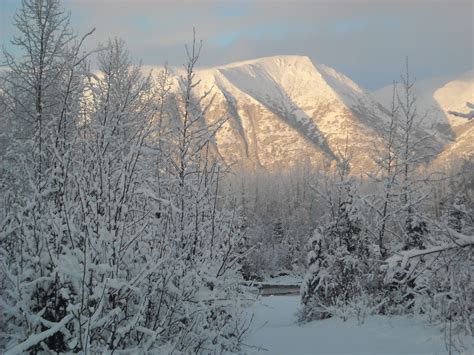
(123,230)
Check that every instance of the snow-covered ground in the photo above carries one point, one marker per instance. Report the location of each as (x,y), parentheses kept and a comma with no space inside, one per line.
(283,280)
(275,330)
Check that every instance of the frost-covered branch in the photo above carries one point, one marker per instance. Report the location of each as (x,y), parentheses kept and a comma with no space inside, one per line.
(468,115)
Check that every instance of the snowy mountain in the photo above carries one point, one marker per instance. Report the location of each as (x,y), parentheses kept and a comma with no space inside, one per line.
(462,147)
(285,110)
(435,98)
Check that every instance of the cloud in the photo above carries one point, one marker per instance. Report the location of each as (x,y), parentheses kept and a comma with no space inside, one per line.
(366,39)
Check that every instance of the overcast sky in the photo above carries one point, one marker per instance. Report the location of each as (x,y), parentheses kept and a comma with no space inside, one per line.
(365,39)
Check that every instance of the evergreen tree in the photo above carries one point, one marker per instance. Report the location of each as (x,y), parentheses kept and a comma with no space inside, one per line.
(338,257)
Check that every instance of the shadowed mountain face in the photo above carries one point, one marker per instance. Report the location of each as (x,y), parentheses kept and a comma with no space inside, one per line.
(284,111)
(265,89)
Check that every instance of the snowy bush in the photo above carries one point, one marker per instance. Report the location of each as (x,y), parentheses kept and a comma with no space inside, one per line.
(113,238)
(438,280)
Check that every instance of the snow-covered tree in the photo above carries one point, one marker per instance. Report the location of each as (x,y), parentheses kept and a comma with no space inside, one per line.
(115,237)
(200,228)
(312,280)
(440,283)
(339,253)
(413,149)
(42,93)
(427,272)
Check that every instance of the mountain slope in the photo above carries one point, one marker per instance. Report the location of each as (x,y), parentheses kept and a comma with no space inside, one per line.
(284,109)
(435,98)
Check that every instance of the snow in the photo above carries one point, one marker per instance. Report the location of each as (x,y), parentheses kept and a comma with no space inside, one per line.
(36,338)
(459,242)
(436,97)
(288,101)
(283,280)
(275,331)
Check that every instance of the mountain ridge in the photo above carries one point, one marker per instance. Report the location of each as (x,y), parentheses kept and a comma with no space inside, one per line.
(285,109)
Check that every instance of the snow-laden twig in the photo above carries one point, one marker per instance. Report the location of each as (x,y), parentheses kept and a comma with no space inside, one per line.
(37,338)
(469,115)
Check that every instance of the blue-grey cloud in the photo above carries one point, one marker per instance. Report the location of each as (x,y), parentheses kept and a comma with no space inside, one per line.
(365,39)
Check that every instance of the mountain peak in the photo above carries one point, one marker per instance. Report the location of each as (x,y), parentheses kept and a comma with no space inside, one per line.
(282,108)
(277,60)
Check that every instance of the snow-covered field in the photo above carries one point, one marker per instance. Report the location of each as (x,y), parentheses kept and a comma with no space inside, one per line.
(276,332)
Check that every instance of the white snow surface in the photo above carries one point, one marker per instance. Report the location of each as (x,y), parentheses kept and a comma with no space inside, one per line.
(283,280)
(276,332)
(436,96)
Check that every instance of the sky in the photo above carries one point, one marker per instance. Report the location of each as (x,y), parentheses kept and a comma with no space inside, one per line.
(368,40)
